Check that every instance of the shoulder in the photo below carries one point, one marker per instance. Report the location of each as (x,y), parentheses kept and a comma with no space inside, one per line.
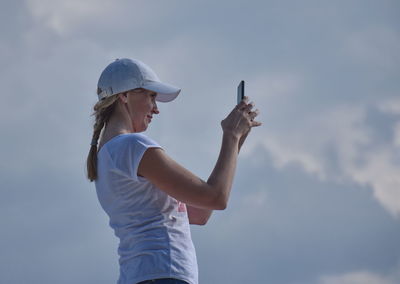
(134,138)
(128,141)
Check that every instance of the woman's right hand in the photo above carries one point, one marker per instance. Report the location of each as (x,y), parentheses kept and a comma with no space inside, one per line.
(241,119)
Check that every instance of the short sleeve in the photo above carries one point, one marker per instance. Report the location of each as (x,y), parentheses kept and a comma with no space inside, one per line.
(128,153)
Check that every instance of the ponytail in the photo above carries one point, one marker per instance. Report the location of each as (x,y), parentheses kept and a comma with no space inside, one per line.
(102,112)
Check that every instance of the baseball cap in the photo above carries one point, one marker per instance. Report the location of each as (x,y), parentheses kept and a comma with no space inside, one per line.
(127,74)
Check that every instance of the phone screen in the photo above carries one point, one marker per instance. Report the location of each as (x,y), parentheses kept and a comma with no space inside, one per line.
(240,92)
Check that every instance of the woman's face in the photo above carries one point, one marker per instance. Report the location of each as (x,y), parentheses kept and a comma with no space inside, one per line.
(141,106)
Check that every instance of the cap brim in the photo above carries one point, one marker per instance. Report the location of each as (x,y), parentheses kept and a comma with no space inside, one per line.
(165,92)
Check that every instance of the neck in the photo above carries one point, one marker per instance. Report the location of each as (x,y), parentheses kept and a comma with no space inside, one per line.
(119,122)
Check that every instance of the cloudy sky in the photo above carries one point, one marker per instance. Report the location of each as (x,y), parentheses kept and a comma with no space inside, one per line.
(316,198)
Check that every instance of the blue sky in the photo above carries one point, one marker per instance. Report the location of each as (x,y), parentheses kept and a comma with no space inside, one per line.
(316,198)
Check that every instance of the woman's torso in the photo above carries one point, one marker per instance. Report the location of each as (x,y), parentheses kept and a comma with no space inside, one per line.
(153,227)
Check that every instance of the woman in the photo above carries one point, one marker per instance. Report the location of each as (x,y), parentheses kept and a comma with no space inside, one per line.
(151,199)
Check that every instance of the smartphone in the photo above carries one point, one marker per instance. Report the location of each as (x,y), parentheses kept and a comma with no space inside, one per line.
(240,92)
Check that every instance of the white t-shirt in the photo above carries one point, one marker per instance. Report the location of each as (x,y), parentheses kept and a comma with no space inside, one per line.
(153,227)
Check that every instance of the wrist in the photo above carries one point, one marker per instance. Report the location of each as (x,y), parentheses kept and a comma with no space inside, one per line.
(231,137)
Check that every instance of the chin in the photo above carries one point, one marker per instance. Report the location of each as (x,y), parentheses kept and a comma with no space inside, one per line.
(142,129)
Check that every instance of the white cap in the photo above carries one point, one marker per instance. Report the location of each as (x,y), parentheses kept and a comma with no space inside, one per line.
(127,74)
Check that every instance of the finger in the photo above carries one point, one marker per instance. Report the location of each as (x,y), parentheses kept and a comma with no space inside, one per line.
(253,114)
(248,107)
(255,123)
(242,103)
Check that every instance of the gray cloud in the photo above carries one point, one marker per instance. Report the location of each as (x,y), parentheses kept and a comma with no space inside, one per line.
(290,221)
(316,195)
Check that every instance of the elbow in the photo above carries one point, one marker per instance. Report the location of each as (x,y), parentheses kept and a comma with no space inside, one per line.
(221,203)
(222,206)
(202,222)
(199,222)
(217,200)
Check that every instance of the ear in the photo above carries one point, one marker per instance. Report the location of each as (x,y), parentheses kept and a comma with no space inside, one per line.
(123,97)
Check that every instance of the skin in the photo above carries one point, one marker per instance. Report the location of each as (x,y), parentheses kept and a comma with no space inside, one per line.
(132,114)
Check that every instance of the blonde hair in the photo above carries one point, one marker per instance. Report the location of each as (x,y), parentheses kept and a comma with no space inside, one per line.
(102,112)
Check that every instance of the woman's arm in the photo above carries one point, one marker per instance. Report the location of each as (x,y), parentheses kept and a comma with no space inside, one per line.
(198,216)
(183,185)
(186,187)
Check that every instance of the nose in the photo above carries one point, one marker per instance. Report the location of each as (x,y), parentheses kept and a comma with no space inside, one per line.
(155,108)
